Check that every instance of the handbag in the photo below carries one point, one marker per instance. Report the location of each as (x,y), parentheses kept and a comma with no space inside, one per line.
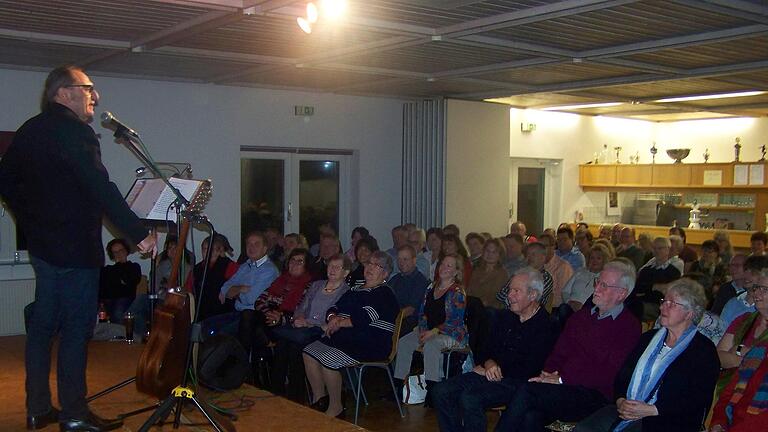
(415,390)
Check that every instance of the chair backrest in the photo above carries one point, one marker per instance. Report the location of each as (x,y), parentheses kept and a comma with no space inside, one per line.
(475,318)
(396,336)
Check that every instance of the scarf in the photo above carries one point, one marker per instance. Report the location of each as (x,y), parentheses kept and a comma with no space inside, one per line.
(650,369)
(752,360)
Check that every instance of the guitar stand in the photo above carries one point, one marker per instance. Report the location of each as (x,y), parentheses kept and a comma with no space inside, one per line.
(177,398)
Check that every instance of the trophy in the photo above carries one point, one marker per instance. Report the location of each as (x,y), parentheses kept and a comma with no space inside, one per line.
(618,150)
(706,155)
(654,150)
(762,150)
(737,148)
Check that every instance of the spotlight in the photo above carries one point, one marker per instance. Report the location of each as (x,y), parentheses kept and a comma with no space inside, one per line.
(333,9)
(311,13)
(305,26)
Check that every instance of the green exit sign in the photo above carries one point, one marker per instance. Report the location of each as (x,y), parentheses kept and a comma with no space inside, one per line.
(301,110)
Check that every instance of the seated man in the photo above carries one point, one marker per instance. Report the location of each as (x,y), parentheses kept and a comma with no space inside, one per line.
(409,286)
(578,376)
(566,249)
(629,249)
(651,279)
(514,261)
(733,288)
(252,278)
(535,256)
(523,339)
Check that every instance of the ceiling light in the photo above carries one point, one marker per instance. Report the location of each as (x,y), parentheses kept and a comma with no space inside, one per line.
(573,107)
(311,13)
(711,96)
(333,9)
(304,24)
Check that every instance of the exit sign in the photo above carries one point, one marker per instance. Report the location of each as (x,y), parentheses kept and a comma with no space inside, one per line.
(301,110)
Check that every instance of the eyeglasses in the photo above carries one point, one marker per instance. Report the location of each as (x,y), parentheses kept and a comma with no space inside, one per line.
(89,88)
(672,303)
(296,261)
(371,263)
(759,289)
(602,285)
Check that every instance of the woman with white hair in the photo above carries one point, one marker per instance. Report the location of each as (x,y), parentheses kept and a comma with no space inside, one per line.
(666,384)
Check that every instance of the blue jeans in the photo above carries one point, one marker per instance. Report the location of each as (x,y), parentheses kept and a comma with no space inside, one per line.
(468,396)
(66,303)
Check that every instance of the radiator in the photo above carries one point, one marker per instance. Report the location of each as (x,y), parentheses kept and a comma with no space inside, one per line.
(14,295)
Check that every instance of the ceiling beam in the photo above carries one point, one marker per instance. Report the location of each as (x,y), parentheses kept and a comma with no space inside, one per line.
(703,72)
(733,8)
(62,39)
(527,16)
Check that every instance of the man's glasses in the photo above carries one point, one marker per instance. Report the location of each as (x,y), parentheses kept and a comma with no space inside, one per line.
(89,88)
(372,263)
(602,285)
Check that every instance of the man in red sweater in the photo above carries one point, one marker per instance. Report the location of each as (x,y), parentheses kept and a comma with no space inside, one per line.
(578,375)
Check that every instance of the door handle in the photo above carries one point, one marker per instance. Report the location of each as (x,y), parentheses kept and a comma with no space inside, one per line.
(290,211)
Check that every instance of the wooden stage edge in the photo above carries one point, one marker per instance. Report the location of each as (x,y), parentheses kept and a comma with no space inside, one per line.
(112,362)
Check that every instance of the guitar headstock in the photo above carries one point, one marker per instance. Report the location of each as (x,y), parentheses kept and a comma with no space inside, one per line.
(202,197)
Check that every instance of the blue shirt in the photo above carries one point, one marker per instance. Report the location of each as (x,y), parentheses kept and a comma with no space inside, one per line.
(409,288)
(574,257)
(735,308)
(258,275)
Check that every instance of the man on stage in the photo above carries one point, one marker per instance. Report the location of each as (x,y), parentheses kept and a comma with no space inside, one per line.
(53,181)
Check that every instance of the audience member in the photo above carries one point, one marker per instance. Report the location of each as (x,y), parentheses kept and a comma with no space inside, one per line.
(357,234)
(733,288)
(452,229)
(452,245)
(757,242)
(328,247)
(687,253)
(604,232)
(489,276)
(307,326)
(645,240)
(409,286)
(275,249)
(628,248)
(252,278)
(364,248)
(712,270)
(418,239)
(324,230)
(522,337)
(577,378)
(583,241)
(566,249)
(741,406)
(515,260)
(399,238)
(474,243)
(645,299)
(359,328)
(558,268)
(118,281)
(581,285)
(434,248)
(744,302)
(676,246)
(666,383)
(616,234)
(441,323)
(535,256)
(220,269)
(519,228)
(164,263)
(292,241)
(723,240)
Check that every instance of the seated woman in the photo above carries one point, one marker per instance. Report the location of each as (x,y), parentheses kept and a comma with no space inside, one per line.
(276,305)
(307,326)
(164,263)
(713,271)
(359,328)
(118,282)
(489,275)
(364,248)
(666,383)
(742,405)
(441,323)
(452,245)
(220,269)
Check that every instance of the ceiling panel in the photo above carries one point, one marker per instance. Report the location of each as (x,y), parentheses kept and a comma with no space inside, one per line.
(530,52)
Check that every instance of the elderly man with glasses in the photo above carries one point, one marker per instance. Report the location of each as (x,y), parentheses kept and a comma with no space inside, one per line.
(578,375)
(53,180)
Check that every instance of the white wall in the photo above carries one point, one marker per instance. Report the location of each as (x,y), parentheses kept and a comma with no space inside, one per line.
(477,172)
(206,125)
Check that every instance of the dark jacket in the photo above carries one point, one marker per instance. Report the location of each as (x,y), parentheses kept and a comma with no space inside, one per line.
(685,393)
(57,188)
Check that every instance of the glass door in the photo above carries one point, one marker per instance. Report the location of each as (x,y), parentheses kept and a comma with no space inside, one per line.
(294,192)
(535,193)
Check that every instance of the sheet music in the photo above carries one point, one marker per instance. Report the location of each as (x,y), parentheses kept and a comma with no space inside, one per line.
(151,198)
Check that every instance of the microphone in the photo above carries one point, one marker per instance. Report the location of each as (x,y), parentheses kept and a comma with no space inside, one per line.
(110,122)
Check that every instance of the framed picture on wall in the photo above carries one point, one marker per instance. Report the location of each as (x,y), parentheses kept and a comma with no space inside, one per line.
(612,204)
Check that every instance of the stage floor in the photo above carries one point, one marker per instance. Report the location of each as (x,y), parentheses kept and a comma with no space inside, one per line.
(112,362)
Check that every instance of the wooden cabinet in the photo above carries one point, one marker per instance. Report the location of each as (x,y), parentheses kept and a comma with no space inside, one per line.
(634,175)
(671,176)
(677,175)
(597,175)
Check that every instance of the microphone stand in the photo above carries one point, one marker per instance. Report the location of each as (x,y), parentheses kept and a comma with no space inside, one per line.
(181,393)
